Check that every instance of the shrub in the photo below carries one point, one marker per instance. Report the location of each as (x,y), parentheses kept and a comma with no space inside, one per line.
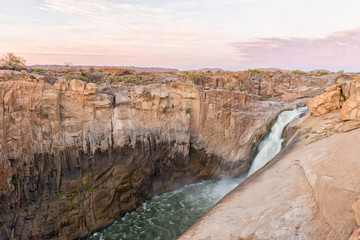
(32,77)
(69,76)
(38,70)
(83,78)
(254,71)
(12,60)
(229,86)
(340,72)
(68,64)
(92,69)
(193,76)
(297,72)
(188,110)
(128,80)
(81,70)
(165,109)
(148,97)
(323,73)
(111,79)
(137,81)
(99,70)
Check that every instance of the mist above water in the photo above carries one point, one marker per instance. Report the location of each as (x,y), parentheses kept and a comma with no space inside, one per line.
(167,216)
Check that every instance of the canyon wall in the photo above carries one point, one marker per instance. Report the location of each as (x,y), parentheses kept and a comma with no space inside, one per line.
(310,190)
(75,156)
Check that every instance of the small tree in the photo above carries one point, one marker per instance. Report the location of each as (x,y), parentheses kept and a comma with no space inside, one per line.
(12,60)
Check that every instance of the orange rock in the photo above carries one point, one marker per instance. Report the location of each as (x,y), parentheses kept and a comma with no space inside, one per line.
(326,102)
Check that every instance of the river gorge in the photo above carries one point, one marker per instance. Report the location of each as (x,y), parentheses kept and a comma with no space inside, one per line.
(77,155)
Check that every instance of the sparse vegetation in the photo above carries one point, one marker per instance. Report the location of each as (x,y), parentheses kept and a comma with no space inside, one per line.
(38,70)
(297,72)
(83,78)
(340,72)
(68,64)
(69,77)
(32,77)
(148,97)
(188,110)
(165,109)
(193,76)
(111,79)
(229,86)
(12,60)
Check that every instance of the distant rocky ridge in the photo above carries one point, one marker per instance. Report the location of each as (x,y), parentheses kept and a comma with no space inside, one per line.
(137,69)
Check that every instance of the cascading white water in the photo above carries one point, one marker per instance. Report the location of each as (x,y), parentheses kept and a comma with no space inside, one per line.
(271,145)
(168,215)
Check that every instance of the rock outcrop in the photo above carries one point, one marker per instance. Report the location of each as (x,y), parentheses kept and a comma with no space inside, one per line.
(356,208)
(329,101)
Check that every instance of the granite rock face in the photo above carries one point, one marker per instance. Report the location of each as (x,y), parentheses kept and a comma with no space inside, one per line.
(329,101)
(73,159)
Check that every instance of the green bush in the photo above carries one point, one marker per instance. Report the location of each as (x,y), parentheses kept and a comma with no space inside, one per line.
(340,72)
(323,73)
(38,70)
(148,97)
(69,76)
(296,72)
(111,79)
(137,81)
(188,110)
(193,76)
(165,109)
(254,71)
(229,86)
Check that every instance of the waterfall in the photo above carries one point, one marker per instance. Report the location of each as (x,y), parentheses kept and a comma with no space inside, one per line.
(271,145)
(168,215)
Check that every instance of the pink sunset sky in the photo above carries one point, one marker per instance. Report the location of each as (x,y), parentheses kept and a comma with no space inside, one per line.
(190,34)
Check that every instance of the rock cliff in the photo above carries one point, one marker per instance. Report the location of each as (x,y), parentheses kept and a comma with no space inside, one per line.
(76,155)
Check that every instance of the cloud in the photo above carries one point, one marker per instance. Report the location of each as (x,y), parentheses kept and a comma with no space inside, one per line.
(337,50)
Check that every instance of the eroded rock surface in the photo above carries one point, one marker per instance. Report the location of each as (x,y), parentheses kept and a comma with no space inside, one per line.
(329,101)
